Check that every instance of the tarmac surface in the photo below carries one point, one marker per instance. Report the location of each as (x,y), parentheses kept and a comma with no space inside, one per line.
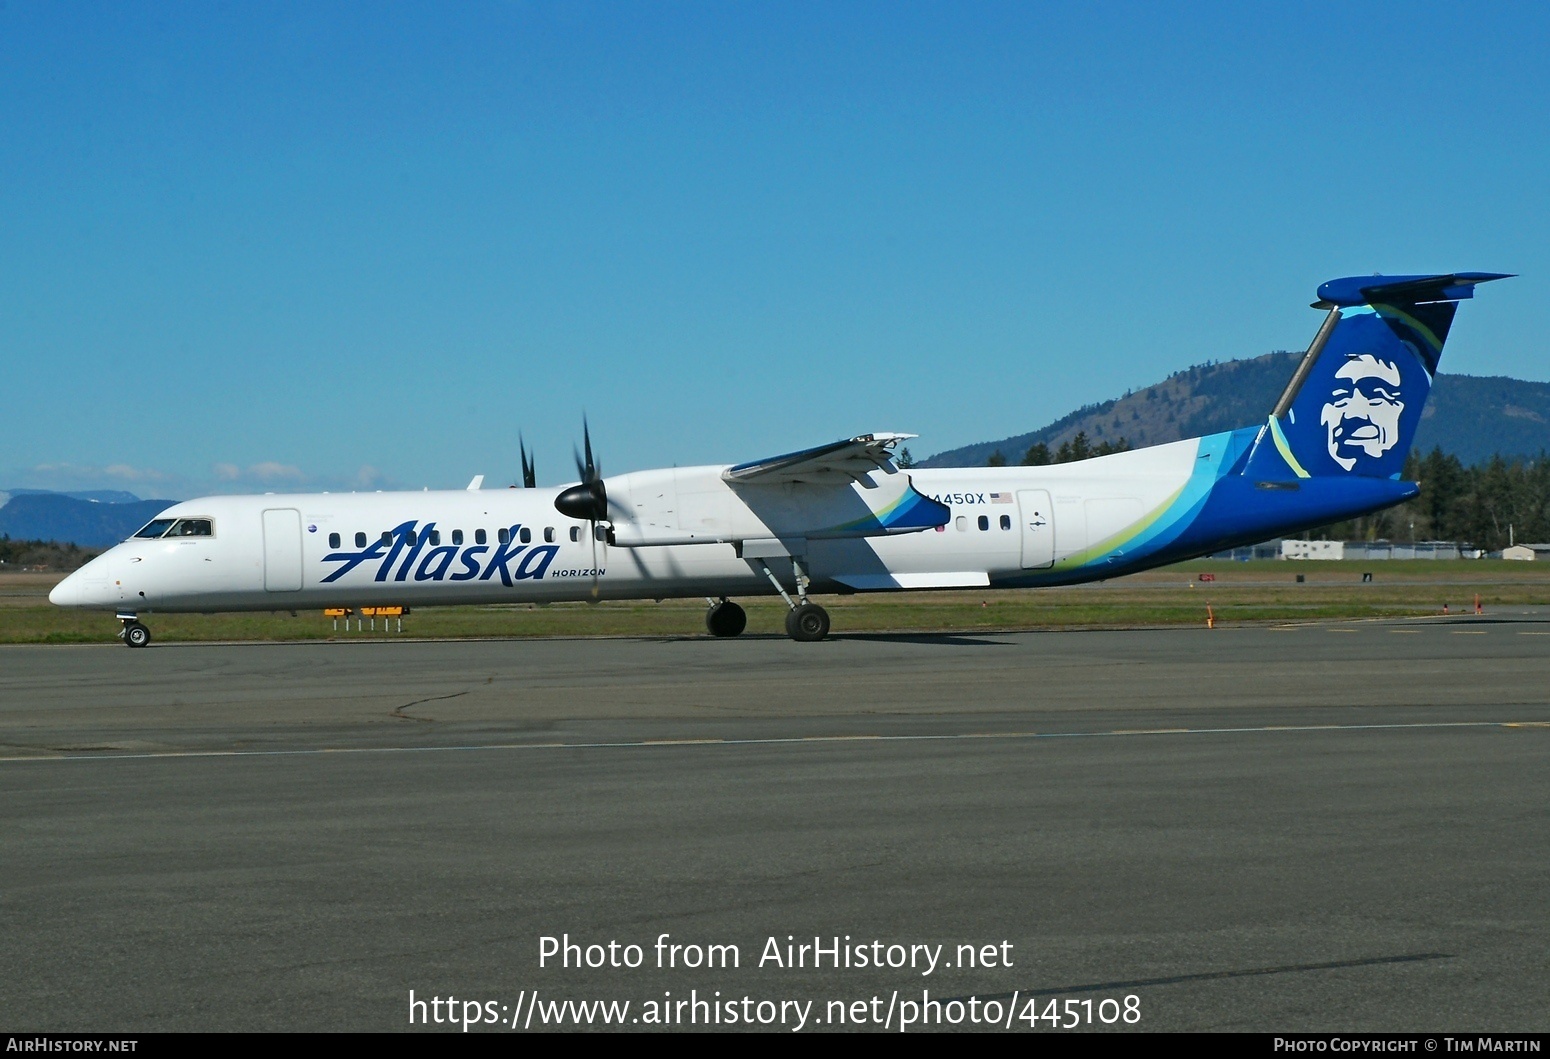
(1308,827)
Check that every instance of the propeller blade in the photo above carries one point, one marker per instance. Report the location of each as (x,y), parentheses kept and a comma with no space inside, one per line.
(586,467)
(529,466)
(594,560)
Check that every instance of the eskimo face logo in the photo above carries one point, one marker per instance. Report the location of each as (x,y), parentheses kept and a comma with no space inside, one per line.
(1362,416)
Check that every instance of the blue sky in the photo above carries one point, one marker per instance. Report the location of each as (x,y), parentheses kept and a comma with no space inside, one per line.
(272,246)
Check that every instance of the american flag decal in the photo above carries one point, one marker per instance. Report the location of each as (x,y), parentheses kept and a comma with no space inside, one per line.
(1000,498)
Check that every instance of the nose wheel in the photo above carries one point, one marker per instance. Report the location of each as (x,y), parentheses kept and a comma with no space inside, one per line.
(135,634)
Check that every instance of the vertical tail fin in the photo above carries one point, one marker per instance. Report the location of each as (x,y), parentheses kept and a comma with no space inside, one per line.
(1353,404)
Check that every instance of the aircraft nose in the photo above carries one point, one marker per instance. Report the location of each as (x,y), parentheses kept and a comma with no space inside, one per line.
(68,592)
(90,586)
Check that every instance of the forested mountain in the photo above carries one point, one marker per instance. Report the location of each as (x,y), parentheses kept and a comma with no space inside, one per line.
(1471,418)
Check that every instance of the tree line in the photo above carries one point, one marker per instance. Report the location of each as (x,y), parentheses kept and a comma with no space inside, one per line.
(1071,450)
(1488,505)
(49,555)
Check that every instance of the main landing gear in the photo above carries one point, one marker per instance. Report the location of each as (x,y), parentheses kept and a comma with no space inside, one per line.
(134,634)
(805,622)
(725,618)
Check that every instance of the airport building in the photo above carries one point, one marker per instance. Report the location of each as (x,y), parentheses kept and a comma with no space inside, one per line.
(1527,551)
(1370,551)
(1366,551)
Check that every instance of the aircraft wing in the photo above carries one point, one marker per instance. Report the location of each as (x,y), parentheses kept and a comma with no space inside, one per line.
(837,463)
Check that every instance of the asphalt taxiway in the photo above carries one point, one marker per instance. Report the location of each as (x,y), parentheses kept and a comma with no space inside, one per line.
(1322,826)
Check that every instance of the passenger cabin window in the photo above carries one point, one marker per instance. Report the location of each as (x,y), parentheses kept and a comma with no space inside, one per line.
(387,536)
(457,536)
(411,538)
(156,528)
(479,537)
(600,533)
(984,521)
(575,534)
(504,536)
(962,522)
(548,534)
(333,540)
(1006,522)
(435,536)
(526,535)
(360,540)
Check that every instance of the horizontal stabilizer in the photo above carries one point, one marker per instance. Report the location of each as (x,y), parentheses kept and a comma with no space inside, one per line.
(1401,290)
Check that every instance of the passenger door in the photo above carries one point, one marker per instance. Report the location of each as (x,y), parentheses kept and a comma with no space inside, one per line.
(1038,518)
(282,550)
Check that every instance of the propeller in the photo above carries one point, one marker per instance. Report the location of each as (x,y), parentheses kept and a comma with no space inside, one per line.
(589,499)
(529,471)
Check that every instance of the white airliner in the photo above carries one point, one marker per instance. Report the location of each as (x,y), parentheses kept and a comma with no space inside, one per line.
(837,518)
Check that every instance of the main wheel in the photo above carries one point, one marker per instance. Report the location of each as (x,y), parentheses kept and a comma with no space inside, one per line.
(136,635)
(807,623)
(726,619)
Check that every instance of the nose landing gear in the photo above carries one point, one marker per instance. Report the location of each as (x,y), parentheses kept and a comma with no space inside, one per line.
(134,634)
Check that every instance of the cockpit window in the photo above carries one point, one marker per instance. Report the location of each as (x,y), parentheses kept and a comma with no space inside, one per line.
(178,527)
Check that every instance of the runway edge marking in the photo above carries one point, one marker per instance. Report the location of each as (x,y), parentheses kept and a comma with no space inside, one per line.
(656,744)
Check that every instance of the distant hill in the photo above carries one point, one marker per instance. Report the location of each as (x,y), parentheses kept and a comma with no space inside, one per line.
(36,516)
(101,496)
(1471,418)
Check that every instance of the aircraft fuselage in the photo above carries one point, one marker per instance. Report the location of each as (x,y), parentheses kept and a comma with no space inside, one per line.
(1006,527)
